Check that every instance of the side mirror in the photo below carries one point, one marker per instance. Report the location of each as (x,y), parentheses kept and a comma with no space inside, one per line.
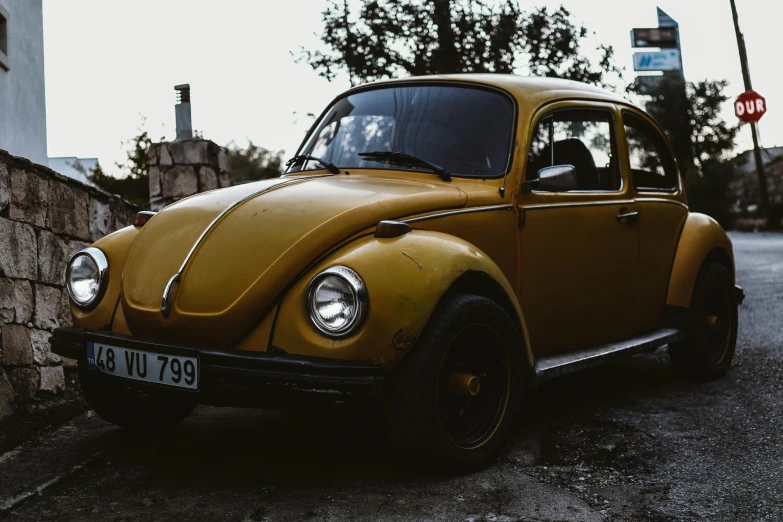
(558,178)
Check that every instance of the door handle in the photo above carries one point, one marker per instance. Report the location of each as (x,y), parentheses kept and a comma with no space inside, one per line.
(629,217)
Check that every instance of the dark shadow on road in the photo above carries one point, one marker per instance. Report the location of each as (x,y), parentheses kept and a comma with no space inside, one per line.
(312,448)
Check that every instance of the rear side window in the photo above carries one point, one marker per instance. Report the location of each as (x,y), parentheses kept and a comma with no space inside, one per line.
(652,165)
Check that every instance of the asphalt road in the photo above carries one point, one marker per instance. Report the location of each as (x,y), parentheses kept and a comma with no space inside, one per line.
(629,441)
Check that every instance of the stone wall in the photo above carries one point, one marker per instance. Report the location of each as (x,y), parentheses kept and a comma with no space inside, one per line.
(182,168)
(44,218)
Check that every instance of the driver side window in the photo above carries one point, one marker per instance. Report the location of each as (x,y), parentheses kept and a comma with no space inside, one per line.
(582,138)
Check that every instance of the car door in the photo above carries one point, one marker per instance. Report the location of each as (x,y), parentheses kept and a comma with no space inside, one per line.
(579,249)
(661,203)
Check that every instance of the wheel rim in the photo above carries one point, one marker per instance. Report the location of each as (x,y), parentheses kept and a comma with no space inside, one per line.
(718,320)
(471,414)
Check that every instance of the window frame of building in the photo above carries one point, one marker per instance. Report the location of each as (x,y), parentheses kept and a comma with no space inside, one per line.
(4,17)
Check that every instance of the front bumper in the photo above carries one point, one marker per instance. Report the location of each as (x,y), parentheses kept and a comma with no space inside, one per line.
(240,378)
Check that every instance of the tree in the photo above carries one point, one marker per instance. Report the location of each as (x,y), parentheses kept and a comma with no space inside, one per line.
(701,138)
(133,183)
(392,38)
(253,163)
(695,126)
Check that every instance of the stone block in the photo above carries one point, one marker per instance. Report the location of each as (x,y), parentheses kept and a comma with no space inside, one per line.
(29,197)
(155,189)
(152,154)
(68,211)
(25,382)
(164,157)
(207,180)
(100,219)
(7,304)
(224,164)
(18,250)
(5,187)
(52,379)
(17,348)
(64,316)
(180,182)
(75,245)
(190,152)
(157,204)
(16,301)
(48,307)
(7,403)
(23,301)
(224,179)
(122,214)
(42,350)
(53,255)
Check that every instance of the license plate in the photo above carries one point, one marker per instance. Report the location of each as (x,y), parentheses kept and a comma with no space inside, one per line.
(170,370)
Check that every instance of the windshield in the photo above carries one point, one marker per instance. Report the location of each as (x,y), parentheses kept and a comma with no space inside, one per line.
(465,130)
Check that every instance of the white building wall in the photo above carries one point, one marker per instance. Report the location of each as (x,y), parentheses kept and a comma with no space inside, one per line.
(22,87)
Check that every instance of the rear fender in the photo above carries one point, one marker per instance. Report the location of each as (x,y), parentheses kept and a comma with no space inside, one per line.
(702,239)
(405,278)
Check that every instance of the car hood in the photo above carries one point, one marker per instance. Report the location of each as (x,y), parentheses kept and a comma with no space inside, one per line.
(248,243)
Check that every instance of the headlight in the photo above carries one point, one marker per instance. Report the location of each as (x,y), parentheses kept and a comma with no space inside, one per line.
(337,301)
(86,276)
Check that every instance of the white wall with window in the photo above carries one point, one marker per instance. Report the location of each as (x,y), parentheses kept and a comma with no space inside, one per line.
(22,83)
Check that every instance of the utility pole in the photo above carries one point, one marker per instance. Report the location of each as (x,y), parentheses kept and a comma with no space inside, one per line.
(756,150)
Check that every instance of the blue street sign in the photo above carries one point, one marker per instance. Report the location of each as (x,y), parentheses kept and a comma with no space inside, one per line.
(668,60)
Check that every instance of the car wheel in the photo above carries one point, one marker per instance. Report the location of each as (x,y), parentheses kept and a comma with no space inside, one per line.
(707,351)
(128,408)
(454,398)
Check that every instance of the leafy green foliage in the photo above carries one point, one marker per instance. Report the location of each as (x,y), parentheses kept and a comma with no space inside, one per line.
(253,163)
(393,38)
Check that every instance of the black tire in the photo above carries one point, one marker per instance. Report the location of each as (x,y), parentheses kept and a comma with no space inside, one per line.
(707,352)
(426,418)
(129,408)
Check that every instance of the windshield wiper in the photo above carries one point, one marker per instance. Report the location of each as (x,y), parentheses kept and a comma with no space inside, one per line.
(407,160)
(331,167)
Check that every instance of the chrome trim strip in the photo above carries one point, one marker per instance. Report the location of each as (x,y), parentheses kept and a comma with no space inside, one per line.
(103,276)
(580,204)
(662,200)
(165,304)
(455,212)
(220,216)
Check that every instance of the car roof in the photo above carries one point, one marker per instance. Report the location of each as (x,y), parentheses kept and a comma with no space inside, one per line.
(534,90)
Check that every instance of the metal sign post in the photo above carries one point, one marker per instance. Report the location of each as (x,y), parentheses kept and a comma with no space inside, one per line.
(667,59)
(764,196)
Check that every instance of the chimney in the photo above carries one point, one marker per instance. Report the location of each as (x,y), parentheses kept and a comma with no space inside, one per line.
(182,112)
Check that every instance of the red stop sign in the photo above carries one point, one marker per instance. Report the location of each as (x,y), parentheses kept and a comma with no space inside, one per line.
(750,107)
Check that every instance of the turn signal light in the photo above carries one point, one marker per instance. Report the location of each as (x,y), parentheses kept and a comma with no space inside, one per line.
(391,229)
(142,217)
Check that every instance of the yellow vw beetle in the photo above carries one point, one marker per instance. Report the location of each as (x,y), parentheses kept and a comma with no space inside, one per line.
(436,245)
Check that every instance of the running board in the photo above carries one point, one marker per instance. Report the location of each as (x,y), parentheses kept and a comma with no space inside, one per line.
(564,363)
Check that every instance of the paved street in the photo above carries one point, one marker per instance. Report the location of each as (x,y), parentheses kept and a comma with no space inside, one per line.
(630,441)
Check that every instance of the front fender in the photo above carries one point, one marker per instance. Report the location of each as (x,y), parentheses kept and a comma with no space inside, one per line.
(701,237)
(405,278)
(115,247)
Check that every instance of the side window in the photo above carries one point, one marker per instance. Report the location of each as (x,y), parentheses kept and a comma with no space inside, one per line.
(583,138)
(652,165)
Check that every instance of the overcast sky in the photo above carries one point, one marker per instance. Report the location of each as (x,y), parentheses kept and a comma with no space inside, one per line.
(107,63)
